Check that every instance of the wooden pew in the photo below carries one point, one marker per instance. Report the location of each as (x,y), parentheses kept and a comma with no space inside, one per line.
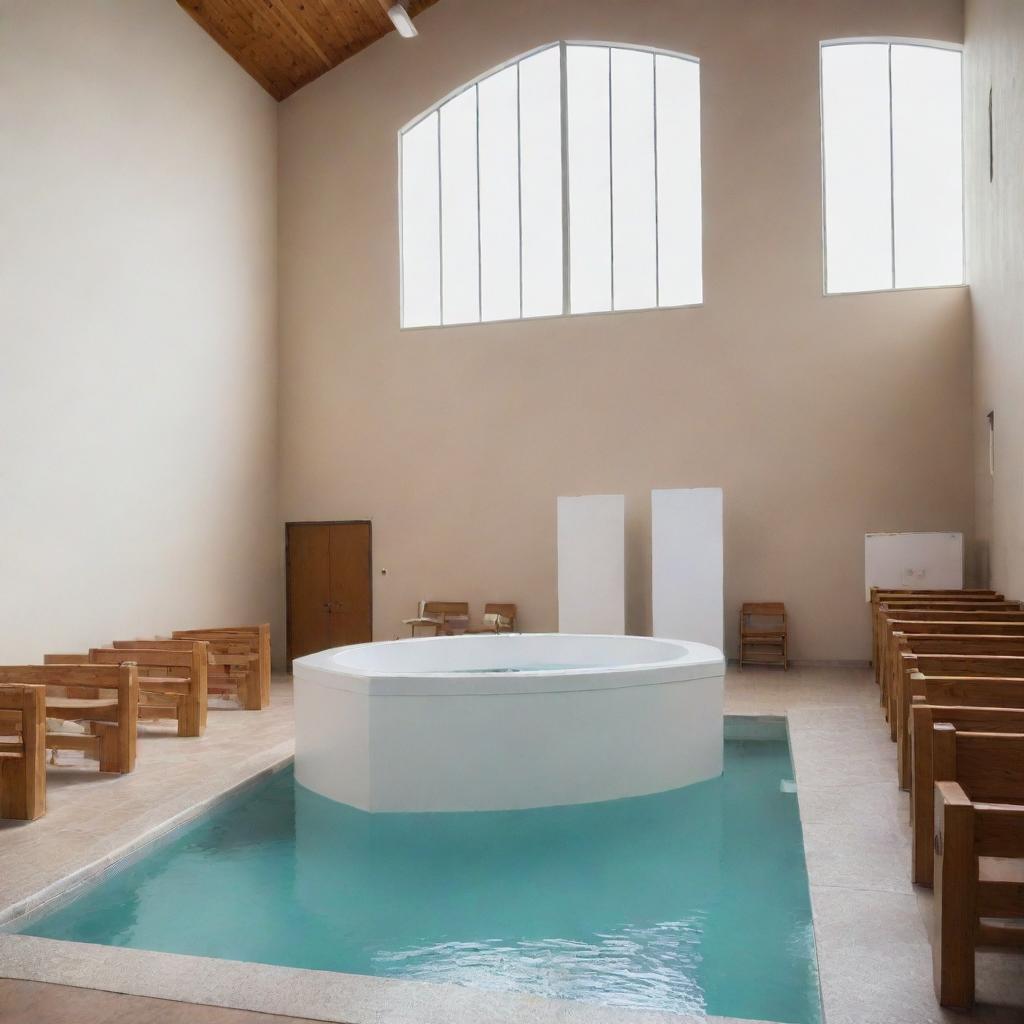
(896,609)
(227,667)
(895,628)
(979,853)
(941,664)
(172,683)
(256,695)
(922,784)
(104,698)
(881,595)
(23,754)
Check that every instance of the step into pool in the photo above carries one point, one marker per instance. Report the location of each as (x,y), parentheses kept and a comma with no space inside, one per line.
(694,900)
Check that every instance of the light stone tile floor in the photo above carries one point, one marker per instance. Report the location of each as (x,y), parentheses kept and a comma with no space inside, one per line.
(871,925)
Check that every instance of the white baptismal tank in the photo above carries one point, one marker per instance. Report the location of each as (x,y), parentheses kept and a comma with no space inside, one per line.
(506,721)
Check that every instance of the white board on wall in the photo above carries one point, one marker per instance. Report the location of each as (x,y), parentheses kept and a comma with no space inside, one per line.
(687,564)
(592,564)
(919,561)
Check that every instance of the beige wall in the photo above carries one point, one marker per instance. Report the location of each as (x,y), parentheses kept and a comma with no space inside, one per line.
(994,52)
(822,418)
(137,328)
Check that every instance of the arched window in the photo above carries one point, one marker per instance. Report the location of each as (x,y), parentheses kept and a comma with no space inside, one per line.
(892,155)
(567,181)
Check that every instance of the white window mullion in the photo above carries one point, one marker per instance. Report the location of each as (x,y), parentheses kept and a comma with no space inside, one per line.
(657,230)
(611,191)
(479,248)
(519,180)
(566,212)
(892,182)
(440,224)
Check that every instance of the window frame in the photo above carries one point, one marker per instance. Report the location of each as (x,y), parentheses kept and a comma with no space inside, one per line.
(566,310)
(890,41)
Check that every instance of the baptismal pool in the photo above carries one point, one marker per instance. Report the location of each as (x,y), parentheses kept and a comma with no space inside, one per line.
(694,900)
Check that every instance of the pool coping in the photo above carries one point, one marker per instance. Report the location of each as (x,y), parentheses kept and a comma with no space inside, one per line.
(298,992)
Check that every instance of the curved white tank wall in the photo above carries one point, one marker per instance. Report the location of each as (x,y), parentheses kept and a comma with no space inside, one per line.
(428,725)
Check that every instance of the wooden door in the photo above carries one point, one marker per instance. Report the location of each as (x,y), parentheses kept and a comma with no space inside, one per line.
(329,586)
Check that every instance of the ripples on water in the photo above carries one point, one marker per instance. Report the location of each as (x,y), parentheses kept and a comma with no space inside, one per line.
(644,968)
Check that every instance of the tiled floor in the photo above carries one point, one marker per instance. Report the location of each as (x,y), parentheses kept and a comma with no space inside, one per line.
(871,925)
(32,1002)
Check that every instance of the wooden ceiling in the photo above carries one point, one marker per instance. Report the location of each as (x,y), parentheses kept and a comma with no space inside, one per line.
(284,44)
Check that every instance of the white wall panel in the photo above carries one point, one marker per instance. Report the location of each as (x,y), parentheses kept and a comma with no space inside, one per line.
(592,564)
(687,564)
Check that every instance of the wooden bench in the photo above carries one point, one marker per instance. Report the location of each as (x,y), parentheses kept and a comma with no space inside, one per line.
(104,698)
(228,665)
(172,683)
(254,691)
(22,751)
(884,603)
(941,663)
(922,785)
(880,595)
(897,610)
(897,628)
(946,656)
(979,853)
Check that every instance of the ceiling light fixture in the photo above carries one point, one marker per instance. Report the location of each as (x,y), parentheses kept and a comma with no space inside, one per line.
(400,19)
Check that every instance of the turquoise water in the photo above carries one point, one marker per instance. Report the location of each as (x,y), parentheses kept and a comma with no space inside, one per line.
(691,901)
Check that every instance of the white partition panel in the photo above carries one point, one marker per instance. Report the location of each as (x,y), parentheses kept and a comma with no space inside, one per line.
(687,564)
(921,561)
(592,564)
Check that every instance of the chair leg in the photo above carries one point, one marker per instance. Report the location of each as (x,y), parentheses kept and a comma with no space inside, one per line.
(110,747)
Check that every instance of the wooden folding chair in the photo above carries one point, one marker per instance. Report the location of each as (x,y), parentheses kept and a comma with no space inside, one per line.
(442,618)
(498,618)
(764,634)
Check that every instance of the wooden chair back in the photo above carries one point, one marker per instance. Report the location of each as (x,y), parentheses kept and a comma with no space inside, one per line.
(22,751)
(453,615)
(172,683)
(254,695)
(494,614)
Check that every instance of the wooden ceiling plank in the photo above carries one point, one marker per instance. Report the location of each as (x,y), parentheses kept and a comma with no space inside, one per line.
(330,31)
(201,12)
(284,10)
(284,44)
(281,53)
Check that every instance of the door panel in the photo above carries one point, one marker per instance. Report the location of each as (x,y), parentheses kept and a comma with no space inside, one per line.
(309,589)
(329,586)
(350,584)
